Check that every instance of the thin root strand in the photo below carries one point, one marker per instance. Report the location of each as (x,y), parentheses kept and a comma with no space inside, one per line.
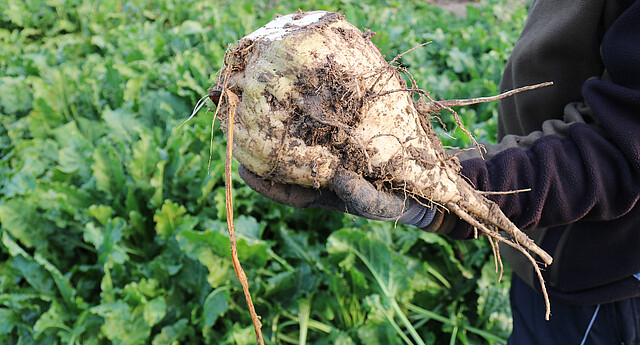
(435,106)
(496,236)
(242,277)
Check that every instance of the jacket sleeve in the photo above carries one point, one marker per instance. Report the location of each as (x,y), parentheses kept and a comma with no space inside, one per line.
(589,168)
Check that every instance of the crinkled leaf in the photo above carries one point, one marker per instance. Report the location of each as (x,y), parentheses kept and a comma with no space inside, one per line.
(86,327)
(72,159)
(22,220)
(377,330)
(348,290)
(111,249)
(113,86)
(33,268)
(93,234)
(211,250)
(15,97)
(191,27)
(108,170)
(142,166)
(174,334)
(67,292)
(44,119)
(24,266)
(157,182)
(493,301)
(8,320)
(155,310)
(216,304)
(286,287)
(255,253)
(171,218)
(61,201)
(160,105)
(53,319)
(435,239)
(248,227)
(123,324)
(101,212)
(296,245)
(21,183)
(384,267)
(122,124)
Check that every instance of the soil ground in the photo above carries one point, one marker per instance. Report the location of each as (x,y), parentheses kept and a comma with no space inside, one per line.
(457,7)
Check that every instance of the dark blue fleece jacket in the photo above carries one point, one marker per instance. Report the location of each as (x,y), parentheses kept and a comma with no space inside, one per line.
(582,162)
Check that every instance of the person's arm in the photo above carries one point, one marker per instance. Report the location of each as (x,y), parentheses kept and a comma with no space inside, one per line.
(585,171)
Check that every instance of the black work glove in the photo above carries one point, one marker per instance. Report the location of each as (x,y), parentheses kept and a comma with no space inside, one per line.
(347,192)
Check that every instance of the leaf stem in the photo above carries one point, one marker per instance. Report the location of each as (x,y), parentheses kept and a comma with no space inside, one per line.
(394,303)
(305,311)
(317,325)
(450,322)
(395,325)
(406,322)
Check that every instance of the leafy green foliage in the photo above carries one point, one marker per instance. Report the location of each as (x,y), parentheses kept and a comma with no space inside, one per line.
(113,231)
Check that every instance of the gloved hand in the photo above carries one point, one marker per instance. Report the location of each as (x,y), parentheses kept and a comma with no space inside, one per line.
(347,192)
